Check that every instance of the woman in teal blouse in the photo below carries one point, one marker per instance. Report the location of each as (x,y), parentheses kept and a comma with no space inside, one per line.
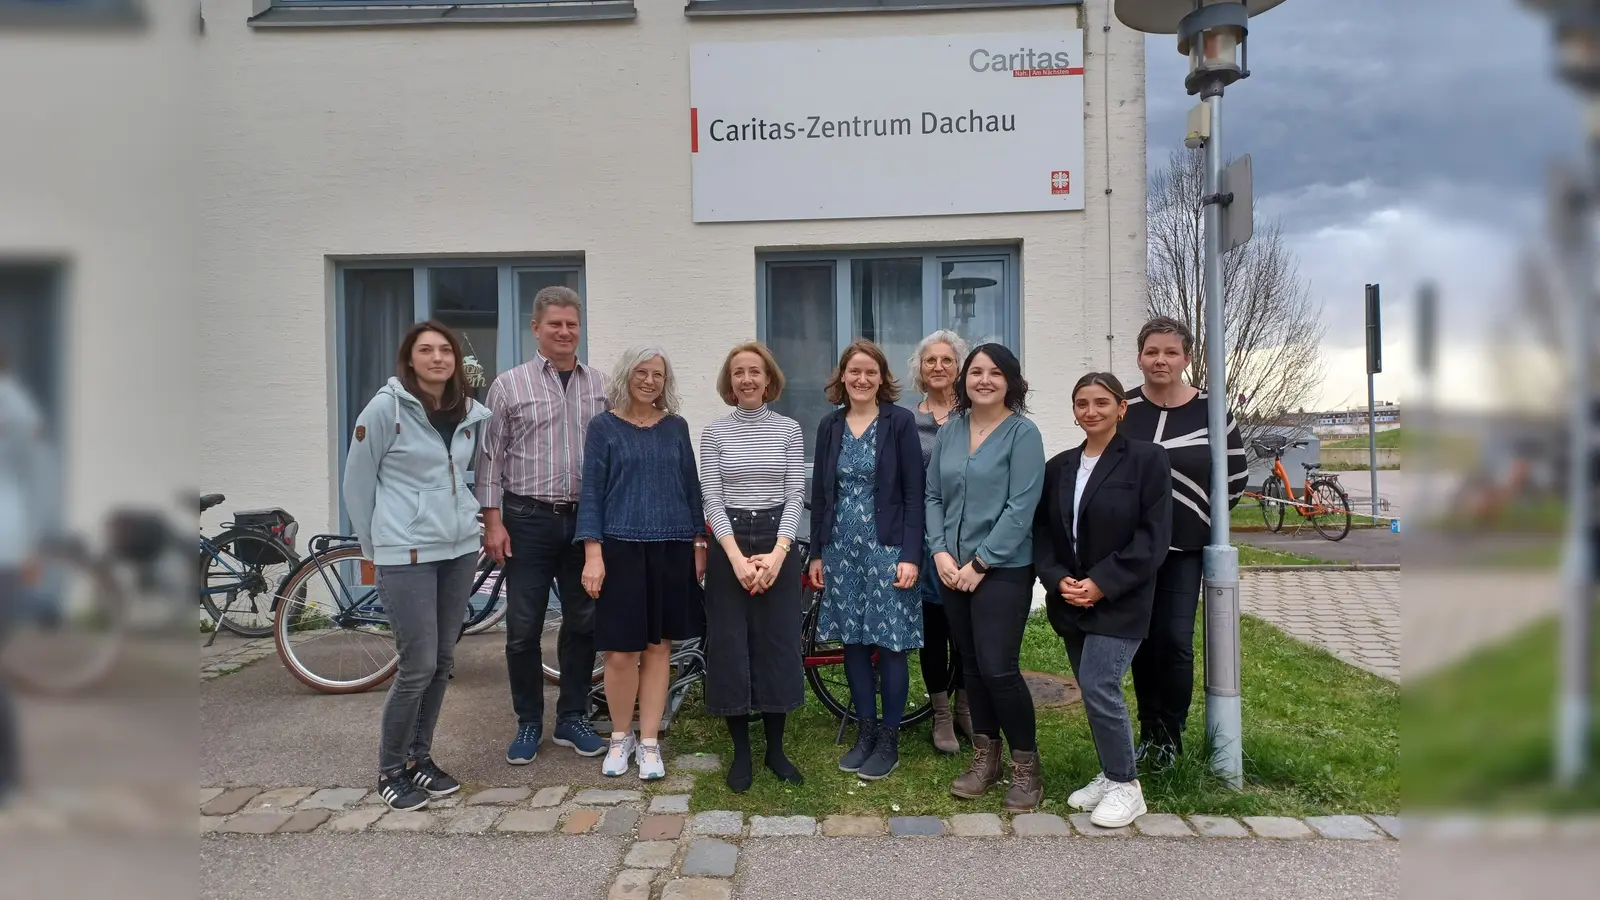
(983,485)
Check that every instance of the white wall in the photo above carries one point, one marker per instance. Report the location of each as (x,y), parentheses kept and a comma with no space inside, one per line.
(97,159)
(517,140)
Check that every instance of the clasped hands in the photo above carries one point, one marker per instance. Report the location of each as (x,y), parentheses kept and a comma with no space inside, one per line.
(1080,593)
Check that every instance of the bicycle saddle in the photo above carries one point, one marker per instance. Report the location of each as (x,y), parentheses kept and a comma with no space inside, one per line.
(209,500)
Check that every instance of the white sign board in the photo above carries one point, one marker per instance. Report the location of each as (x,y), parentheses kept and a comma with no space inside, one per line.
(904,126)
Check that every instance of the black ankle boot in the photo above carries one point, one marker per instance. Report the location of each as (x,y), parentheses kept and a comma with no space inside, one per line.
(866,739)
(885,756)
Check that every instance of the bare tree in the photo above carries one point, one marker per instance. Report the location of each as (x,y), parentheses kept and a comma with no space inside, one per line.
(1274,330)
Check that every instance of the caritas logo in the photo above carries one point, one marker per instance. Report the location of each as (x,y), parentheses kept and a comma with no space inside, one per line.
(1023,63)
(1060,182)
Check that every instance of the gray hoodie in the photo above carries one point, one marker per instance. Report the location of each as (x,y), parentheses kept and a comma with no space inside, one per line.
(407,498)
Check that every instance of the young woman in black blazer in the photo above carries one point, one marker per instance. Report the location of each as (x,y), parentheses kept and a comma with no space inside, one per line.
(1102,530)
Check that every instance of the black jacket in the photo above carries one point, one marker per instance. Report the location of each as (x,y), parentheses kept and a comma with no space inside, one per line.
(897,487)
(1123,537)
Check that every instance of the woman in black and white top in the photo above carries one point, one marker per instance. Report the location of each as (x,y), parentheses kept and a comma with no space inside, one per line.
(753,478)
(1166,411)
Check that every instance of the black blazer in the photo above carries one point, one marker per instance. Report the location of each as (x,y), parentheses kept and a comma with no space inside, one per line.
(897,488)
(1122,539)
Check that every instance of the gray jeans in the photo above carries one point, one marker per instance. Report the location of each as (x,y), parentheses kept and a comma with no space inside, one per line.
(427,604)
(1100,662)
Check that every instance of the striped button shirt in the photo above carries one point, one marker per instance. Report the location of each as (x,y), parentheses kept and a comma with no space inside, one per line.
(533,444)
(753,459)
(1186,433)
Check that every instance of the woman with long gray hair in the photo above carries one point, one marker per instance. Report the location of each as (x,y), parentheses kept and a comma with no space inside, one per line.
(639,519)
(933,369)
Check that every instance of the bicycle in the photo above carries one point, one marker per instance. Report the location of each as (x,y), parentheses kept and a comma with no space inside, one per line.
(330,628)
(1325,503)
(69,622)
(240,563)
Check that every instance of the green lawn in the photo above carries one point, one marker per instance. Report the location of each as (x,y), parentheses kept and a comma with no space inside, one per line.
(1479,734)
(1391,439)
(1320,737)
(1247,516)
(1257,556)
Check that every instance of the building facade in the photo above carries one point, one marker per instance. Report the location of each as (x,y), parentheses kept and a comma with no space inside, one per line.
(701,175)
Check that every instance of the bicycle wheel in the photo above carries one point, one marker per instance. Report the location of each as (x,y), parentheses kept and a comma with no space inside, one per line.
(236,583)
(824,667)
(486,608)
(331,630)
(1331,509)
(550,641)
(68,626)
(1271,500)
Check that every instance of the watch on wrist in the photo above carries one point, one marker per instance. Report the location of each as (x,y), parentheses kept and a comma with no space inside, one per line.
(979,566)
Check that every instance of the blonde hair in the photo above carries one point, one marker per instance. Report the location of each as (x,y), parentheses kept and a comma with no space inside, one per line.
(942,336)
(617,393)
(774,374)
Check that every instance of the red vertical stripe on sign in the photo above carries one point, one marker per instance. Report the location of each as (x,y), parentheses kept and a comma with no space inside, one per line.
(694,130)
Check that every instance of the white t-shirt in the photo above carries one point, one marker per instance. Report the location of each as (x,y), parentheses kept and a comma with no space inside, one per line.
(1085,469)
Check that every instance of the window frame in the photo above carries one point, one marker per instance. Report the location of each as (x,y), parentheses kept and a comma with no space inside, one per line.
(509,340)
(695,8)
(932,296)
(369,13)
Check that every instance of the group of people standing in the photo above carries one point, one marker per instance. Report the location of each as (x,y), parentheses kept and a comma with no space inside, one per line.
(929,527)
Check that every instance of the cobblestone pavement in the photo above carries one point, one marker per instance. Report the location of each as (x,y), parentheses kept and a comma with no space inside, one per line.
(230,653)
(1355,615)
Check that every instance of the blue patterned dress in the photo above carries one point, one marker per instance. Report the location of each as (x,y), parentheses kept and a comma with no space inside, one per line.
(860,604)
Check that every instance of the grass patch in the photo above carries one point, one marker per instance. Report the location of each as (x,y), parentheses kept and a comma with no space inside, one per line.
(1479,735)
(1387,440)
(1258,556)
(1247,515)
(1320,737)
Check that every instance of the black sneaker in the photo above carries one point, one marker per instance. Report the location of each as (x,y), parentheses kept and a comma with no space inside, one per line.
(885,756)
(866,737)
(399,793)
(428,776)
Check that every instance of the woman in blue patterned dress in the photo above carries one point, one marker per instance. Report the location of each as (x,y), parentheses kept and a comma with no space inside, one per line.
(866,527)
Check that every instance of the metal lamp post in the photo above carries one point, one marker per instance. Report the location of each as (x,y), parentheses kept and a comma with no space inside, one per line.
(1577,36)
(1212,34)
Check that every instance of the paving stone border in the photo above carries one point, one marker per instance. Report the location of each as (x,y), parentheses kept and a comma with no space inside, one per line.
(657,822)
(236,658)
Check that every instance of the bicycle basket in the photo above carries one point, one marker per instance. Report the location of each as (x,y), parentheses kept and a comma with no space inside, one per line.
(274,521)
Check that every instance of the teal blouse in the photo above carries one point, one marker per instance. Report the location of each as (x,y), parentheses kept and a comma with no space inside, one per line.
(982,504)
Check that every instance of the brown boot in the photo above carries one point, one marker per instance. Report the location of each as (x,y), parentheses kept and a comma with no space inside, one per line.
(1026,788)
(944,731)
(963,718)
(983,773)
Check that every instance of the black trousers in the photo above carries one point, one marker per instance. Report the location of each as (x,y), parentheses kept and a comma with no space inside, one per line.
(1163,669)
(542,552)
(753,660)
(987,625)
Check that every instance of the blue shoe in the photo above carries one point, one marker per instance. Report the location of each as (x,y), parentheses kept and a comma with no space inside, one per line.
(525,746)
(580,736)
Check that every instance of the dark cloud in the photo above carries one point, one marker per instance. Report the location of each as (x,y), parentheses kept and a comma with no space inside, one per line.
(1398,93)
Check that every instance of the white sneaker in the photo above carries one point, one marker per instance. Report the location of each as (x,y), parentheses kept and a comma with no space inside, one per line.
(1089,796)
(619,755)
(1120,806)
(651,766)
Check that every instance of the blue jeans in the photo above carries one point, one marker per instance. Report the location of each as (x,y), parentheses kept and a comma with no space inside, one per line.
(1100,662)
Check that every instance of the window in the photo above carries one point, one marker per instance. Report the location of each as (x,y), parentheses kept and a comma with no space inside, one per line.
(32,352)
(813,305)
(775,7)
(71,13)
(487,303)
(366,13)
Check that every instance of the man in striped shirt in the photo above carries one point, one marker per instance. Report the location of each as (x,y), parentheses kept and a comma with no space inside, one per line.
(1175,415)
(529,476)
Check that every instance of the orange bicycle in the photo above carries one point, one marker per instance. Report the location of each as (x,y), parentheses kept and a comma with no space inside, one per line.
(1324,501)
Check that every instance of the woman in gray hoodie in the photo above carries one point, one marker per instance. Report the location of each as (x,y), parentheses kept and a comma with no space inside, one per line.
(416,518)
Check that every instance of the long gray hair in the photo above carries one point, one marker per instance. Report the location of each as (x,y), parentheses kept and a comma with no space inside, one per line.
(942,336)
(617,385)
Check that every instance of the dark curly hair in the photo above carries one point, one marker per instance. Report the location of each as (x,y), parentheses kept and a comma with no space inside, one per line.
(888,388)
(1009,366)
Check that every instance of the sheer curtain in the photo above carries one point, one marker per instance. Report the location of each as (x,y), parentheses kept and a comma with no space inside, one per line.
(886,308)
(800,333)
(378,308)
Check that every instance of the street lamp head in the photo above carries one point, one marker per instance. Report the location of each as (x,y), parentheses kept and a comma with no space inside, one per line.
(1210,32)
(1577,33)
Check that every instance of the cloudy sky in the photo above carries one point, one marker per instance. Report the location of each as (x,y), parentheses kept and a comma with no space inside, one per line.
(1396,141)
